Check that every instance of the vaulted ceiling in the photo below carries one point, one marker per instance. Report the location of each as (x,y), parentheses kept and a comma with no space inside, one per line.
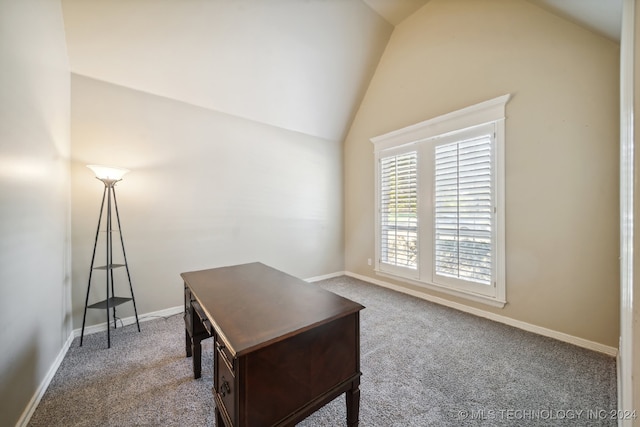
(601,16)
(298,65)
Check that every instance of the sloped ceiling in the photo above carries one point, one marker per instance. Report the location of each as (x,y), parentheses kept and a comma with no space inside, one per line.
(395,11)
(297,65)
(601,16)
(301,65)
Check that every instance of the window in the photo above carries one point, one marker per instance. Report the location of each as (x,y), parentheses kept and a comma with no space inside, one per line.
(398,203)
(463,210)
(440,203)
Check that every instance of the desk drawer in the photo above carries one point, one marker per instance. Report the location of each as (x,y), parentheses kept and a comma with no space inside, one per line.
(226,357)
(225,385)
(196,326)
(201,323)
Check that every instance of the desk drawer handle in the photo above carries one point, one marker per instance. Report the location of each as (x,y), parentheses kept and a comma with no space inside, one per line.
(225,388)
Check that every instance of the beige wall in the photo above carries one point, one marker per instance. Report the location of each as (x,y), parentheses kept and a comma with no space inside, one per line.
(562,135)
(205,189)
(34,199)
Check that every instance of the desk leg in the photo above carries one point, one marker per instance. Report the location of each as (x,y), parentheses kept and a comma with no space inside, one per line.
(353,404)
(187,342)
(196,350)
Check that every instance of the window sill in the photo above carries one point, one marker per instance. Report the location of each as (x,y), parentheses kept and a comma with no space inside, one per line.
(494,302)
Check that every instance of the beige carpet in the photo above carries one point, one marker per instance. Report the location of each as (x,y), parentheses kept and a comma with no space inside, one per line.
(422,365)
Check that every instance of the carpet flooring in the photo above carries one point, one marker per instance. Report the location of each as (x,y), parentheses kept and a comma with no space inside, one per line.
(422,365)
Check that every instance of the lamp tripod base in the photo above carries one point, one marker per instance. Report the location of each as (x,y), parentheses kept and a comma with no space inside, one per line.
(111,301)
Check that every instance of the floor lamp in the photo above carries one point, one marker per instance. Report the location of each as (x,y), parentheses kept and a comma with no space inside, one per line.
(109,177)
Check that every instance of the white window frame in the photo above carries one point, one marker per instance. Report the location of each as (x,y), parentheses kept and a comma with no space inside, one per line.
(423,137)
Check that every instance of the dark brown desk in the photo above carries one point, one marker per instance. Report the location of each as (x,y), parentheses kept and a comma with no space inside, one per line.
(283,347)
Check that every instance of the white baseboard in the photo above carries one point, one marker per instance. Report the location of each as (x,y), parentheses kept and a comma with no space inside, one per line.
(561,336)
(130,320)
(326,276)
(35,399)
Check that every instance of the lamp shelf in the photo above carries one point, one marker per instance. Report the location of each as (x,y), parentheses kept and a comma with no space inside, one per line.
(109,267)
(113,301)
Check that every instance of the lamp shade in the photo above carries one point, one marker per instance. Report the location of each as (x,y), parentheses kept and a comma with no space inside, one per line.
(107,172)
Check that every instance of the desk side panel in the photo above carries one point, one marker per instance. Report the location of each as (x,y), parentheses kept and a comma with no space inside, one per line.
(285,377)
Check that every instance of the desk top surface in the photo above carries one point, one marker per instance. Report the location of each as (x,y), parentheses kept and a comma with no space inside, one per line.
(252,305)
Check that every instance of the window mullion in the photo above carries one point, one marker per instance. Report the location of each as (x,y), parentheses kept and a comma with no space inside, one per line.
(426,203)
(458,208)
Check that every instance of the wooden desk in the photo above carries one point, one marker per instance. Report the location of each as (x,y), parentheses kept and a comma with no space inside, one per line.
(283,347)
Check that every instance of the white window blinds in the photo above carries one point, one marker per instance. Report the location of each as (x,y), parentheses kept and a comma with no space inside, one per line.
(464,210)
(398,210)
